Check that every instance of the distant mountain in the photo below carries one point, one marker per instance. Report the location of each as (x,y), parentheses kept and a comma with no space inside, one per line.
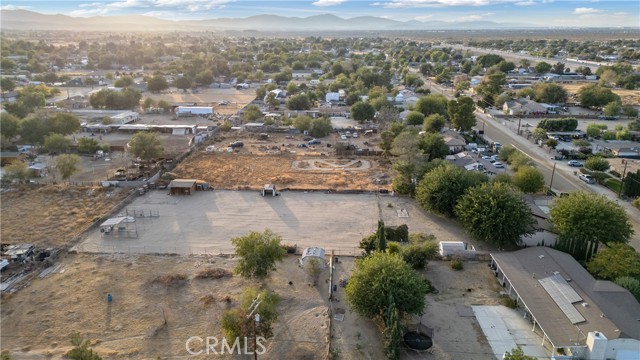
(29,20)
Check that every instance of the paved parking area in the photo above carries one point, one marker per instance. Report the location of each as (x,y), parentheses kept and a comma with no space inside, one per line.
(206,221)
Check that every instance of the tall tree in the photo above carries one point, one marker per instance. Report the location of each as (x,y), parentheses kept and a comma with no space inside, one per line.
(461,113)
(432,104)
(528,179)
(495,213)
(433,146)
(586,220)
(258,253)
(157,83)
(380,275)
(392,331)
(56,143)
(382,241)
(434,123)
(67,165)
(183,83)
(146,146)
(615,261)
(362,111)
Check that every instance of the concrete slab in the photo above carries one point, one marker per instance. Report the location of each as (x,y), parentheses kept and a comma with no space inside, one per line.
(506,329)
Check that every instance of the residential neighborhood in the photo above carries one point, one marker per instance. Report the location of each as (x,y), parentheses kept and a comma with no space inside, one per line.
(346,194)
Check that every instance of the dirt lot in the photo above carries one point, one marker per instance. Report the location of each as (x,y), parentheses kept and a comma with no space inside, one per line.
(133,325)
(51,215)
(251,171)
(236,99)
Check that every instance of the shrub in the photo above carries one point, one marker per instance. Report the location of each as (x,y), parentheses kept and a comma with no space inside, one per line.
(415,255)
(170,279)
(597,163)
(213,273)
(393,248)
(456,264)
(509,302)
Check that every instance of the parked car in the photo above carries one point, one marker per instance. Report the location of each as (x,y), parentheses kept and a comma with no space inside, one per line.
(236,144)
(343,137)
(314,142)
(355,134)
(302,145)
(587,178)
(498,164)
(575,163)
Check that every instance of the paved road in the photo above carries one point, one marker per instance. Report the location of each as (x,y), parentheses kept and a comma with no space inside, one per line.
(564,179)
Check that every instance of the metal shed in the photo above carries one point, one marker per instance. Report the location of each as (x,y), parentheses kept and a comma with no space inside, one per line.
(313,253)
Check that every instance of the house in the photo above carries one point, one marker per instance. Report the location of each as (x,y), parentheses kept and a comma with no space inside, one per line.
(575,314)
(301,74)
(629,153)
(279,94)
(544,233)
(454,141)
(313,253)
(523,106)
(182,186)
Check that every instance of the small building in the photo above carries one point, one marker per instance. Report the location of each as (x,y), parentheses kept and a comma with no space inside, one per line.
(523,106)
(313,253)
(454,141)
(19,252)
(182,186)
(456,248)
(544,234)
(8,157)
(113,223)
(269,189)
(125,117)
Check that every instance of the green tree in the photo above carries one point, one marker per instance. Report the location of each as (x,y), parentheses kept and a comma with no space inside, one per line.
(432,104)
(81,350)
(528,179)
(550,93)
(440,189)
(320,127)
(251,112)
(615,261)
(415,118)
(184,83)
(362,111)
(157,83)
(9,126)
(302,122)
(146,146)
(491,85)
(543,67)
(235,323)
(586,220)
(258,253)
(163,104)
(434,146)
(392,331)
(380,235)
(7,84)
(88,145)
(380,275)
(17,170)
(631,284)
(56,143)
(613,108)
(552,143)
(67,165)
(299,102)
(461,113)
(434,123)
(595,130)
(595,95)
(495,213)
(506,152)
(597,163)
(123,82)
(517,353)
(630,111)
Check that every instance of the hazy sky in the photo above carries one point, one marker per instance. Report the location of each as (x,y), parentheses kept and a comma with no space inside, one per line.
(538,12)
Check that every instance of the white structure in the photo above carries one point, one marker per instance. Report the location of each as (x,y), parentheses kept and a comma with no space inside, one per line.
(194,110)
(125,117)
(332,96)
(456,248)
(313,253)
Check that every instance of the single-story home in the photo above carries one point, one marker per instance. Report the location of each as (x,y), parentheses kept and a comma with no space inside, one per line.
(523,106)
(454,141)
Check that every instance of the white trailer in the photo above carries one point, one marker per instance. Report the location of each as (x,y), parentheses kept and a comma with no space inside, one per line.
(194,110)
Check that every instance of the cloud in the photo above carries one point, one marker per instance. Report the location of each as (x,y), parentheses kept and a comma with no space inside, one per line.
(586,11)
(526,3)
(102,8)
(621,13)
(395,4)
(14,7)
(475,17)
(423,17)
(328,2)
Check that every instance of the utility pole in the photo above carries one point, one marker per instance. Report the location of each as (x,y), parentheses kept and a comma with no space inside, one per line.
(519,121)
(252,309)
(552,173)
(624,172)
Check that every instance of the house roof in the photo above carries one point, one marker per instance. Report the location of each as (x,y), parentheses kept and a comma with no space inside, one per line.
(608,308)
(182,183)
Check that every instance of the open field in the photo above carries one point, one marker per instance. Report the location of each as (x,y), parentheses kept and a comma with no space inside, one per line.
(627,96)
(241,171)
(51,215)
(133,326)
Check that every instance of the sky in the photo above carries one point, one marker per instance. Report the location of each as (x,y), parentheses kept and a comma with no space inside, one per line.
(554,13)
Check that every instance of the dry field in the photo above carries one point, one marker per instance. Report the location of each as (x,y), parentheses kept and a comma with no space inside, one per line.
(37,321)
(252,171)
(51,215)
(627,96)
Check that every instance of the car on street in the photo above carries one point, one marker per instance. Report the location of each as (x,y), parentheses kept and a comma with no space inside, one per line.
(575,163)
(489,159)
(587,178)
(498,165)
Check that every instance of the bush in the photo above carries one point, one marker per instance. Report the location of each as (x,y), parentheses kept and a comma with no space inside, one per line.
(417,255)
(213,273)
(613,184)
(170,279)
(597,163)
(393,248)
(509,302)
(456,264)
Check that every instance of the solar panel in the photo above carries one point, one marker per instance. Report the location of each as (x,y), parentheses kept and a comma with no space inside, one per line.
(563,295)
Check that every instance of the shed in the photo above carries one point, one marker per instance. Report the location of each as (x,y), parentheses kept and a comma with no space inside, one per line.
(110,224)
(182,186)
(313,253)
(269,189)
(457,248)
(19,251)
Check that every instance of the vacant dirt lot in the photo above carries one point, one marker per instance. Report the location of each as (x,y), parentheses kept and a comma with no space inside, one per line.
(251,171)
(133,326)
(51,215)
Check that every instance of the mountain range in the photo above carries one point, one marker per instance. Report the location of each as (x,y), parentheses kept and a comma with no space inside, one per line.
(29,20)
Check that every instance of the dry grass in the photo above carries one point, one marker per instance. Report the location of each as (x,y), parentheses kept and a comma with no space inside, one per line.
(171,279)
(213,273)
(51,215)
(252,171)
(627,96)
